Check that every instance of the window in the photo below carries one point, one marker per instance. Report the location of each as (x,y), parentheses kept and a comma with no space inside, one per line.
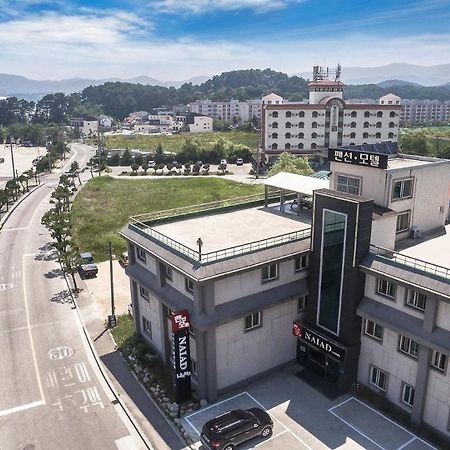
(301,263)
(366,114)
(301,114)
(168,273)
(314,125)
(287,135)
(378,378)
(275,125)
(378,125)
(315,114)
(300,145)
(287,146)
(274,135)
(353,135)
(380,114)
(147,326)
(253,321)
(141,254)
(144,293)
(408,394)
(348,184)
(402,188)
(270,272)
(301,125)
(313,146)
(353,125)
(378,135)
(386,288)
(301,135)
(189,285)
(391,125)
(408,346)
(366,125)
(274,146)
(365,135)
(288,125)
(392,114)
(439,361)
(374,330)
(288,114)
(390,135)
(302,303)
(353,114)
(416,299)
(403,221)
(274,114)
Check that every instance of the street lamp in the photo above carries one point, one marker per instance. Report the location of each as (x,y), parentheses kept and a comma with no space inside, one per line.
(11,143)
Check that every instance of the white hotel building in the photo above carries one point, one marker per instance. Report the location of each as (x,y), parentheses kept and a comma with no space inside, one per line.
(352,287)
(328,121)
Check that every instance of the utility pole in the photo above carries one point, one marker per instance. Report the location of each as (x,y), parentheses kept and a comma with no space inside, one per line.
(11,142)
(112,318)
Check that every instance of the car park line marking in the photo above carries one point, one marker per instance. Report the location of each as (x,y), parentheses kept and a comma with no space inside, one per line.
(273,437)
(407,443)
(356,429)
(384,417)
(190,423)
(27,314)
(281,423)
(6,412)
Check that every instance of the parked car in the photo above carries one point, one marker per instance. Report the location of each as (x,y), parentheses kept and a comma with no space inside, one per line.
(239,162)
(223,161)
(227,431)
(123,259)
(87,267)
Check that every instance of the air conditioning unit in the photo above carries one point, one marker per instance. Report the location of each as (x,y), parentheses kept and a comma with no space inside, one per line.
(416,232)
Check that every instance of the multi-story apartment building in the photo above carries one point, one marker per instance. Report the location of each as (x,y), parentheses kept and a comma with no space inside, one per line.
(425,111)
(328,121)
(232,111)
(355,288)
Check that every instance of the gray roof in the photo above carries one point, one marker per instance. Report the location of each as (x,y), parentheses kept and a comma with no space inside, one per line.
(217,269)
(405,275)
(404,324)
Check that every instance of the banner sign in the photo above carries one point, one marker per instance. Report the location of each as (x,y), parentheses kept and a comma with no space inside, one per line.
(318,341)
(377,160)
(181,355)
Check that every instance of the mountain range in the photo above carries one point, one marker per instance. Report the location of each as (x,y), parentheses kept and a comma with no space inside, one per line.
(422,75)
(398,74)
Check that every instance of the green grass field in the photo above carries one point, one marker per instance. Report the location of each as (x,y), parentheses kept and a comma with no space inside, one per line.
(174,143)
(105,205)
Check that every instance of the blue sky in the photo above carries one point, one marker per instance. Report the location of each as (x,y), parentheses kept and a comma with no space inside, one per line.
(179,39)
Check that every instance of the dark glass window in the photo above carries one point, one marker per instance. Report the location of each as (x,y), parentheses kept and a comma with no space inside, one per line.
(334,226)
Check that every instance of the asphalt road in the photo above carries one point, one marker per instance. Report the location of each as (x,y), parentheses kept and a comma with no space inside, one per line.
(51,394)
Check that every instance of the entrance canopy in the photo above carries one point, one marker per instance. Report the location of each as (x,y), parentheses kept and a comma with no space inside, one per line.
(296,183)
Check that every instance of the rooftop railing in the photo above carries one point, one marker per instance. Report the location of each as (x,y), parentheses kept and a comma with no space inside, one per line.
(145,222)
(415,263)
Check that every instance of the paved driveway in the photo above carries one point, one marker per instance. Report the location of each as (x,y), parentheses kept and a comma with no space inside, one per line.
(305,419)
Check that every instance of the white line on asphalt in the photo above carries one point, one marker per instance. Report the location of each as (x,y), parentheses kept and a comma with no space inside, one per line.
(270,439)
(357,430)
(390,420)
(24,328)
(27,314)
(407,443)
(281,423)
(215,404)
(6,412)
(192,426)
(15,229)
(340,404)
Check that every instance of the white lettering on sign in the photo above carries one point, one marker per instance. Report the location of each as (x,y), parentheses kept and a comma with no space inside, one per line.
(183,353)
(62,352)
(318,342)
(181,321)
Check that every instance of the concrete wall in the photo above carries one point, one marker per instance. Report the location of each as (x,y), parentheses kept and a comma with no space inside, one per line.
(247,283)
(385,356)
(241,354)
(150,261)
(383,232)
(398,303)
(437,408)
(151,309)
(443,315)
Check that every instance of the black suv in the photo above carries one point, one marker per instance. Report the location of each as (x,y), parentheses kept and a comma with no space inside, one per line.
(235,427)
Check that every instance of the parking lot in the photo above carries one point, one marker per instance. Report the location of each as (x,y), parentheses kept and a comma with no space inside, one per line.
(305,419)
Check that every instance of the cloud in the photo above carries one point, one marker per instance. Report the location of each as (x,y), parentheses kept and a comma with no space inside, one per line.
(55,46)
(205,6)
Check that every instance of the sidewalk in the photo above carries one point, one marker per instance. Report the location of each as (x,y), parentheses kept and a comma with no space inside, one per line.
(149,418)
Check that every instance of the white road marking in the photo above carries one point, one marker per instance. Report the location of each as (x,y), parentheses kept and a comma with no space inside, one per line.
(27,314)
(6,412)
(407,443)
(37,325)
(6,286)
(267,440)
(62,352)
(126,443)
(15,229)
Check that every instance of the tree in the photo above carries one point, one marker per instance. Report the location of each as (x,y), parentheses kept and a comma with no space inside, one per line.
(126,159)
(75,170)
(135,167)
(159,154)
(414,143)
(145,167)
(292,164)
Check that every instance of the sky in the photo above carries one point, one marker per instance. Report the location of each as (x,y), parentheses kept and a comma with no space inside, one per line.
(180,39)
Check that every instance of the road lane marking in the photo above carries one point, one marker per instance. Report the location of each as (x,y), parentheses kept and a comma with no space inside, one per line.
(6,412)
(25,327)
(16,229)
(27,314)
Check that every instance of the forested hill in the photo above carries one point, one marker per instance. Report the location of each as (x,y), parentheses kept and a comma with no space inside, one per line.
(118,99)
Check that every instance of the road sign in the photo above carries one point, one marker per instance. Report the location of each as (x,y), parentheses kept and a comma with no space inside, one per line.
(112,321)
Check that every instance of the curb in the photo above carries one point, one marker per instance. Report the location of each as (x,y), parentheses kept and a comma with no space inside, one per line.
(116,396)
(24,197)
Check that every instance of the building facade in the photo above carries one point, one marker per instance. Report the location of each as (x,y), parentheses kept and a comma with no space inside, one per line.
(355,289)
(202,124)
(233,111)
(425,111)
(328,121)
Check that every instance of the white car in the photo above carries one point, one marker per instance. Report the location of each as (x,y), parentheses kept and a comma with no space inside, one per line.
(223,161)
(239,162)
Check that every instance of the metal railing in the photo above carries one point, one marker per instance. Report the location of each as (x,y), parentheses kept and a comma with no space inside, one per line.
(409,261)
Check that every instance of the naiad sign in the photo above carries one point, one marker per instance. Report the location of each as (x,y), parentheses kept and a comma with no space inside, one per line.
(321,343)
(181,354)
(377,160)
